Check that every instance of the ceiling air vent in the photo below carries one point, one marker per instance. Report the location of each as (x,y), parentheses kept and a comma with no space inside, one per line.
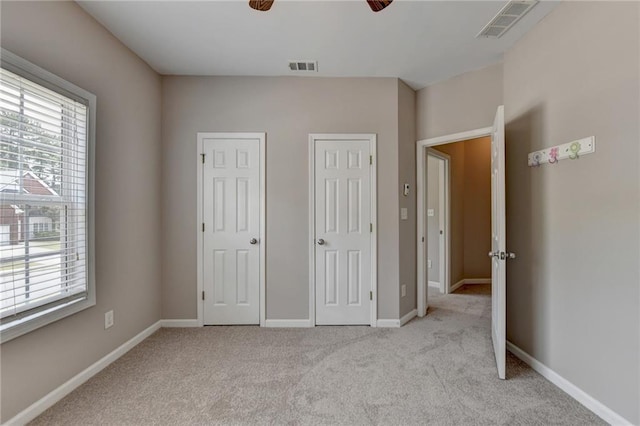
(303,66)
(506,18)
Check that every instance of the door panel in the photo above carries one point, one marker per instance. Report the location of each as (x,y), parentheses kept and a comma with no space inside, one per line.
(331,278)
(342,218)
(231,217)
(354,280)
(498,244)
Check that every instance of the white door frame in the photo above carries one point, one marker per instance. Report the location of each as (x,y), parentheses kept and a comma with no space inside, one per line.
(262,138)
(444,207)
(372,138)
(421,169)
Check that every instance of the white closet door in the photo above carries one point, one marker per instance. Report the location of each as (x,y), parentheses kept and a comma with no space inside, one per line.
(231,221)
(343,236)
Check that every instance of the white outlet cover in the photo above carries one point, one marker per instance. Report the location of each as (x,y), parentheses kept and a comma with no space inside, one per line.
(404,214)
(431,212)
(108,319)
(429,263)
(404,290)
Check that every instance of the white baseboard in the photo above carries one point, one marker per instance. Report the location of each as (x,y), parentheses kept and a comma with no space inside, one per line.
(405,319)
(180,323)
(388,323)
(41,405)
(287,323)
(477,280)
(469,281)
(598,408)
(456,286)
(434,284)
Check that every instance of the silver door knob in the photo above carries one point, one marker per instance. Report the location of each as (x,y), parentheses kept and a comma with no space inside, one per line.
(253,241)
(511,255)
(320,242)
(494,254)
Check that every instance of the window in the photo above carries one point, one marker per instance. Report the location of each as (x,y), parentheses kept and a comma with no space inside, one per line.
(46,197)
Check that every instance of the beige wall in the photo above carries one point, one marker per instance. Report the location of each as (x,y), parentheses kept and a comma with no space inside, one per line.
(477,208)
(466,102)
(573,291)
(287,109)
(407,174)
(470,214)
(63,39)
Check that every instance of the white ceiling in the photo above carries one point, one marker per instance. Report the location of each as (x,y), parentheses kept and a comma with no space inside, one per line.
(421,42)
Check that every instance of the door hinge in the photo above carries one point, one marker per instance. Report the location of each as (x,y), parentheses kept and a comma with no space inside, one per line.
(370,295)
(371,227)
(202,226)
(203,155)
(371,159)
(203,295)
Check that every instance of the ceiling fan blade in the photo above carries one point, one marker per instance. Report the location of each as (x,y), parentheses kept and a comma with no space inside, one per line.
(261,5)
(378,5)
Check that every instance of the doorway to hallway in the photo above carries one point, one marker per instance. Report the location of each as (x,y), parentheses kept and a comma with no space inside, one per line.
(498,253)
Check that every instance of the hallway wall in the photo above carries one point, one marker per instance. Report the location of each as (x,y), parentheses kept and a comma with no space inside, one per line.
(470,215)
(477,208)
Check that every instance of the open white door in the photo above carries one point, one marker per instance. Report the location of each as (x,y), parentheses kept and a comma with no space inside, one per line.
(498,245)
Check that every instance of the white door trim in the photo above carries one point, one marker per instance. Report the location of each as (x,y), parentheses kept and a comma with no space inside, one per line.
(262,137)
(372,138)
(444,204)
(421,168)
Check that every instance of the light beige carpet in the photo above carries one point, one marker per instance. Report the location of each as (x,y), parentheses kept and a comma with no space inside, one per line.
(436,370)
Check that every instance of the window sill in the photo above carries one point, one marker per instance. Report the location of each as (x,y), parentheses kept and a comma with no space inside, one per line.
(27,324)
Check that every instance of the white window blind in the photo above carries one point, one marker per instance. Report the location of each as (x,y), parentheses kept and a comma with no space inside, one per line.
(44,244)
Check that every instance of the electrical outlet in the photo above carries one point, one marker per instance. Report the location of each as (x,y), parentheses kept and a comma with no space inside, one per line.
(429,263)
(403,290)
(108,319)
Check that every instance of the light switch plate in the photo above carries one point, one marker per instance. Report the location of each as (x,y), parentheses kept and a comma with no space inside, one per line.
(431,212)
(429,263)
(404,214)
(403,289)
